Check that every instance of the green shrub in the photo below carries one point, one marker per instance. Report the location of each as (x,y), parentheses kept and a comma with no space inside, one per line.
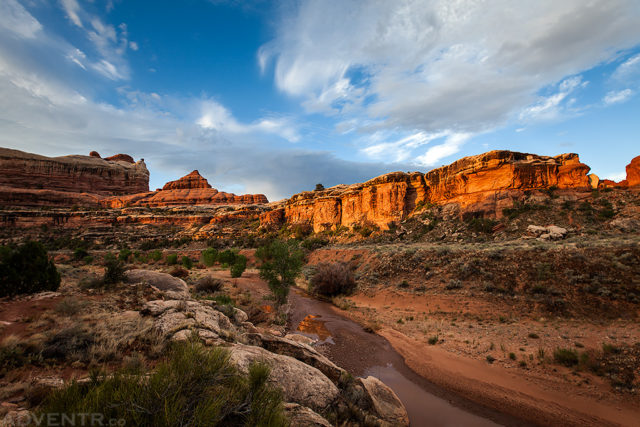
(172,259)
(565,356)
(187,262)
(80,253)
(313,243)
(114,270)
(227,256)
(281,264)
(433,340)
(332,279)
(239,266)
(192,386)
(223,300)
(155,255)
(124,254)
(26,270)
(209,256)
(481,225)
(88,259)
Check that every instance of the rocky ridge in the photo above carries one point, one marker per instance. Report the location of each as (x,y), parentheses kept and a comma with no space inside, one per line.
(481,185)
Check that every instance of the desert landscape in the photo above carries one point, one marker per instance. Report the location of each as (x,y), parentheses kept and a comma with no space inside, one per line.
(313,213)
(503,288)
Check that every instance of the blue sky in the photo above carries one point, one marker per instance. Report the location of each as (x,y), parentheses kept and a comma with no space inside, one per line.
(273,97)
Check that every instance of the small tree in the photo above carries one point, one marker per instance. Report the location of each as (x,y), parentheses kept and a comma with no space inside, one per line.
(319,187)
(281,264)
(113,271)
(27,269)
(239,266)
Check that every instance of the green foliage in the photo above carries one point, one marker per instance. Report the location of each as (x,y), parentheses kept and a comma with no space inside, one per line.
(433,340)
(80,253)
(192,386)
(313,243)
(223,300)
(209,256)
(172,259)
(208,285)
(227,256)
(281,264)
(114,270)
(238,266)
(481,225)
(155,255)
(319,187)
(565,356)
(26,270)
(124,254)
(187,262)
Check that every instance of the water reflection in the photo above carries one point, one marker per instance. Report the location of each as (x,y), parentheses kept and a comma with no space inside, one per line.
(311,326)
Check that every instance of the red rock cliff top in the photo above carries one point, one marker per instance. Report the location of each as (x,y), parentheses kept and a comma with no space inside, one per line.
(187,182)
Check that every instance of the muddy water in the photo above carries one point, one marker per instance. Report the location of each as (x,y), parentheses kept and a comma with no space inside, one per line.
(363,354)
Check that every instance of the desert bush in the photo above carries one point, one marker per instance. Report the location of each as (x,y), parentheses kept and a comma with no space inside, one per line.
(69,343)
(114,270)
(16,352)
(155,255)
(172,259)
(209,256)
(88,259)
(281,264)
(565,356)
(192,386)
(433,340)
(239,266)
(26,269)
(332,279)
(453,284)
(208,285)
(178,271)
(481,225)
(124,254)
(227,256)
(313,243)
(80,253)
(187,262)
(69,306)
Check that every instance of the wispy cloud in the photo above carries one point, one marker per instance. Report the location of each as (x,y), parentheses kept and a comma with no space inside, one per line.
(617,96)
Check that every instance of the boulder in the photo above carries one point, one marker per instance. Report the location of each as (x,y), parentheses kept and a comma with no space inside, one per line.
(633,172)
(299,382)
(385,402)
(551,232)
(121,158)
(594,181)
(94,154)
(170,286)
(301,416)
(297,350)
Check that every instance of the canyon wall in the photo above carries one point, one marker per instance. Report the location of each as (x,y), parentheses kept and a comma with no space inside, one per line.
(191,189)
(478,185)
(28,179)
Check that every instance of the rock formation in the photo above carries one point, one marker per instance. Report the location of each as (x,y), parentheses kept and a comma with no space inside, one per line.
(191,189)
(33,180)
(633,172)
(482,184)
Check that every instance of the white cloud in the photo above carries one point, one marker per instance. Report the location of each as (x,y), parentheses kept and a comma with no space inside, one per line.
(16,19)
(133,45)
(450,146)
(215,116)
(617,96)
(72,8)
(442,65)
(628,70)
(550,107)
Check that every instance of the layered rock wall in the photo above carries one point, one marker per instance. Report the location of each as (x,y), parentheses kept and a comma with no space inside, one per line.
(28,173)
(191,189)
(481,184)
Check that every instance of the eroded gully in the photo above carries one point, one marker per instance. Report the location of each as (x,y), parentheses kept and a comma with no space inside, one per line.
(348,345)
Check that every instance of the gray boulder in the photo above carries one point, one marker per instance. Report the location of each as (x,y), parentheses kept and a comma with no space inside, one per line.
(170,286)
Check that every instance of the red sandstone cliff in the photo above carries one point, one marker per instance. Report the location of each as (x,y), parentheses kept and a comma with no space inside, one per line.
(32,180)
(191,189)
(482,184)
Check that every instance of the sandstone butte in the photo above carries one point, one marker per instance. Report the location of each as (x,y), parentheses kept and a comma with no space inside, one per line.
(191,189)
(476,185)
(28,179)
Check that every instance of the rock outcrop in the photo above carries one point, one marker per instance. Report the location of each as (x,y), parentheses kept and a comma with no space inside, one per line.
(633,172)
(191,189)
(482,184)
(34,180)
